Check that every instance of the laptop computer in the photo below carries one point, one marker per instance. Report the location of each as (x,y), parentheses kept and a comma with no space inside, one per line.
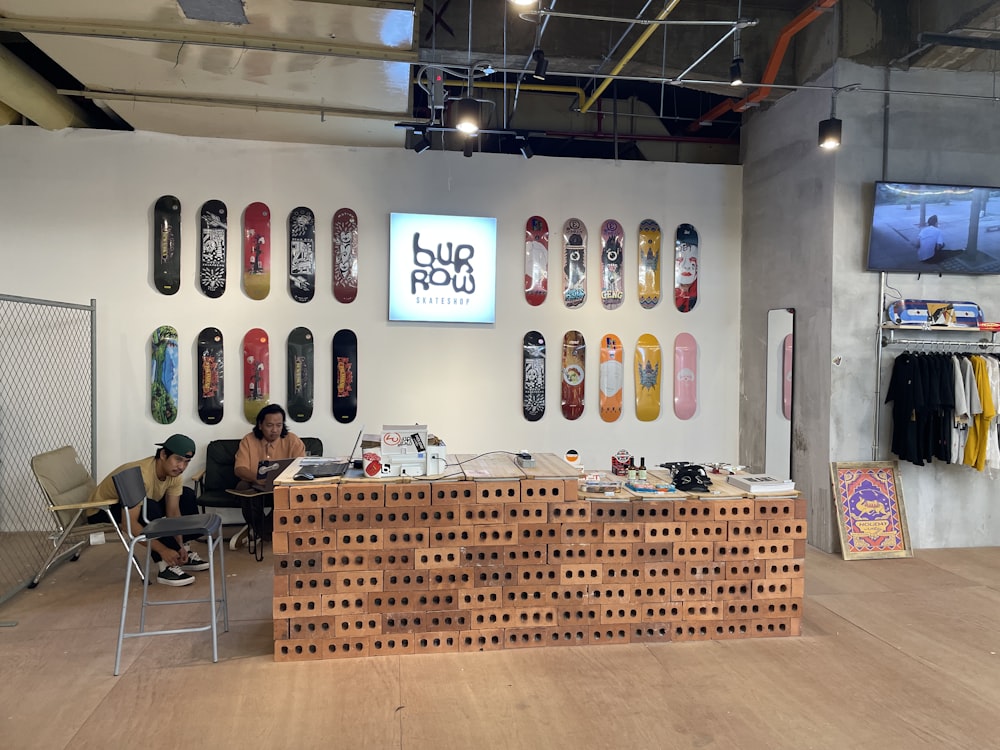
(322,468)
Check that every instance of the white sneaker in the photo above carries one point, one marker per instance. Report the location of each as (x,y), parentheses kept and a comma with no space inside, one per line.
(239,538)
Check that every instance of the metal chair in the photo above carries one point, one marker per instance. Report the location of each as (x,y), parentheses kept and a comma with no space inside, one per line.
(132,491)
(67,485)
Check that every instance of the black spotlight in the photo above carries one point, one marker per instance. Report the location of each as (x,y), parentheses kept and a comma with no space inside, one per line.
(524,147)
(541,65)
(421,144)
(830,132)
(736,72)
(469,144)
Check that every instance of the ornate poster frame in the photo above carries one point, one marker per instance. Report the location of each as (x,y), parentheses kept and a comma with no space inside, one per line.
(870,510)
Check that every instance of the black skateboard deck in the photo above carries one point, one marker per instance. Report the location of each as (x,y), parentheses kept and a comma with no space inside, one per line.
(167,245)
(533,381)
(301,360)
(345,375)
(212,259)
(301,254)
(210,375)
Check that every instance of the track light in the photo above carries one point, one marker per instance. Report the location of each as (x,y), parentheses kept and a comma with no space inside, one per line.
(467,116)
(829,133)
(541,65)
(524,147)
(469,143)
(736,72)
(422,144)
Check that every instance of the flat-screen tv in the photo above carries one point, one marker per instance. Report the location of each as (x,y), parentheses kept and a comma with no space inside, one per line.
(926,228)
(442,269)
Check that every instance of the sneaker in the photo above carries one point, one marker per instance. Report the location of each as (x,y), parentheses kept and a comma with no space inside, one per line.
(174,576)
(195,562)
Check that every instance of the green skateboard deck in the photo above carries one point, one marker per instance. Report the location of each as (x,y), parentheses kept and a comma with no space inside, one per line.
(210,375)
(163,386)
(167,244)
(300,374)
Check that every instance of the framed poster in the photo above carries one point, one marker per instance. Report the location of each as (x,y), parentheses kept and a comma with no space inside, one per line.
(870,510)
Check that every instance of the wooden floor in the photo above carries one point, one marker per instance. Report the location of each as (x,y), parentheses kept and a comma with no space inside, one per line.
(894,654)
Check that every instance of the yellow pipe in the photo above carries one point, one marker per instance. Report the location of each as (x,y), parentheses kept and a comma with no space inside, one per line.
(7,115)
(550,88)
(628,56)
(25,91)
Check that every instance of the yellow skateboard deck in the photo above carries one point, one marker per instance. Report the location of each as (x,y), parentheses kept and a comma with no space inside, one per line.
(647,378)
(649,263)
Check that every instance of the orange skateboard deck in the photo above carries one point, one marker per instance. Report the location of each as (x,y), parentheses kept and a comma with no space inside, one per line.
(612,377)
(256,373)
(647,378)
(536,260)
(685,376)
(574,363)
(649,263)
(257,251)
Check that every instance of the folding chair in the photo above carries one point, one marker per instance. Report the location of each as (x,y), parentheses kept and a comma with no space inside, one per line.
(67,485)
(132,492)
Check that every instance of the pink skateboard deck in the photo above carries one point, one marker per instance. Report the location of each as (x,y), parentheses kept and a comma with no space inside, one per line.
(257,251)
(685,376)
(536,260)
(345,255)
(256,373)
(612,265)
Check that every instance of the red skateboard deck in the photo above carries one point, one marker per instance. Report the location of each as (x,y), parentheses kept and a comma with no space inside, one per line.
(612,377)
(647,378)
(685,376)
(536,260)
(686,258)
(257,250)
(301,254)
(256,373)
(786,377)
(163,386)
(210,375)
(212,259)
(574,263)
(533,376)
(167,245)
(345,255)
(345,375)
(649,263)
(300,360)
(574,363)
(612,264)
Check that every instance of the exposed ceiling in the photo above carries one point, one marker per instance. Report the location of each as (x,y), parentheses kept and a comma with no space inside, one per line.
(626,78)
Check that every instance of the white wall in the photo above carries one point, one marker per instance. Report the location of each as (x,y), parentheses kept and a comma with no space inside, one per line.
(75,216)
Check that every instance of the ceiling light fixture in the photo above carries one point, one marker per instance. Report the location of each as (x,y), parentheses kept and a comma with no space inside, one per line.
(469,143)
(524,147)
(541,65)
(736,67)
(421,144)
(829,133)
(523,3)
(467,115)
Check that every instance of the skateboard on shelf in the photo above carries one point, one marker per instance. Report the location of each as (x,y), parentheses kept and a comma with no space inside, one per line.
(686,268)
(649,263)
(536,260)
(612,262)
(574,363)
(301,254)
(685,376)
(256,373)
(163,384)
(257,250)
(786,376)
(301,359)
(167,245)
(212,258)
(210,375)
(345,255)
(647,378)
(612,377)
(935,312)
(533,379)
(345,375)
(574,263)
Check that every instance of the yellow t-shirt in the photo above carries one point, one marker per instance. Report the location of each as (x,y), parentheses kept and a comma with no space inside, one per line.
(156,489)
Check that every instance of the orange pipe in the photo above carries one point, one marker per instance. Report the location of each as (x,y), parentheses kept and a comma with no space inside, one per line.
(796,25)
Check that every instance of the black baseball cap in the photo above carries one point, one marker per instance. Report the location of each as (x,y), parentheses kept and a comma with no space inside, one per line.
(182,445)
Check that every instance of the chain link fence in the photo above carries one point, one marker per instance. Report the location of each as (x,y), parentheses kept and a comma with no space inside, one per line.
(47,400)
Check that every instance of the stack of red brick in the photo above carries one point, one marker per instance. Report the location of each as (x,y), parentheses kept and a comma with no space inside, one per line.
(429,567)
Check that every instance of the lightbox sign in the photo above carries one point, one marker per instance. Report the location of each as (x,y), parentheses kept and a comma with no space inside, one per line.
(442,269)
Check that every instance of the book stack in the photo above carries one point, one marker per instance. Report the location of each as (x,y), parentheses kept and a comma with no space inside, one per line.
(761,483)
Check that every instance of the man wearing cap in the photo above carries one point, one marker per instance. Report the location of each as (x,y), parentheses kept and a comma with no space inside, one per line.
(167,496)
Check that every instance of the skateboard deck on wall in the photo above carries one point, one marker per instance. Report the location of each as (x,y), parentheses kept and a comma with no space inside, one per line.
(647,378)
(574,263)
(163,383)
(649,263)
(345,375)
(686,261)
(345,255)
(612,377)
(574,363)
(786,376)
(256,373)
(536,260)
(685,376)
(935,312)
(210,375)
(257,250)
(212,258)
(301,254)
(533,376)
(167,245)
(301,359)
(612,264)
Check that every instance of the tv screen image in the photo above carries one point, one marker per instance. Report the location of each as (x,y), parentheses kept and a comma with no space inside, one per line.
(442,269)
(926,228)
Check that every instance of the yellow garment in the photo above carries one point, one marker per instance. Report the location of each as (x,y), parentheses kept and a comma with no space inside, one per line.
(975,446)
(156,489)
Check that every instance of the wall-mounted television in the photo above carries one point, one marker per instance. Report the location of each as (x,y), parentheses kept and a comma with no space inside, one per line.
(926,228)
(442,269)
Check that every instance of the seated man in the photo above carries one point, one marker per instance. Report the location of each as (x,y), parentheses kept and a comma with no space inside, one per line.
(166,496)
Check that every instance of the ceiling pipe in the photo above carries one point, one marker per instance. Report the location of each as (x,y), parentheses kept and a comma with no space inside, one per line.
(24,91)
(643,37)
(8,116)
(796,25)
(542,87)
